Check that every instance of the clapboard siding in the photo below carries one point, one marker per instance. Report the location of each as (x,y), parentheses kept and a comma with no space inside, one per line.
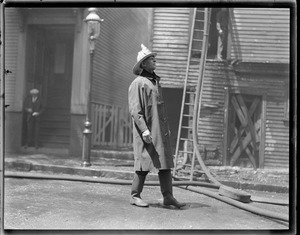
(116,51)
(274,87)
(211,121)
(277,134)
(217,76)
(12,29)
(171,27)
(260,34)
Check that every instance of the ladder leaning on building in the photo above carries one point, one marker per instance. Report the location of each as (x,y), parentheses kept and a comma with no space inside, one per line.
(187,151)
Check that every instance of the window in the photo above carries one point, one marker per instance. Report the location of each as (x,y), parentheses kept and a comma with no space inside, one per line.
(223,17)
(217,40)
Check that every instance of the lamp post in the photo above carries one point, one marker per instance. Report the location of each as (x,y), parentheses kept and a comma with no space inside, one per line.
(93,23)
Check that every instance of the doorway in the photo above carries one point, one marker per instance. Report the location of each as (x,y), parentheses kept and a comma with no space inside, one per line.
(173,100)
(244,130)
(213,35)
(49,62)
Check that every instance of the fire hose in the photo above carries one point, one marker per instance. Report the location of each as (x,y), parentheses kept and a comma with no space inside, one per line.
(179,184)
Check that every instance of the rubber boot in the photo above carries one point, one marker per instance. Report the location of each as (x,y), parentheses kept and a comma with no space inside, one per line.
(137,188)
(165,179)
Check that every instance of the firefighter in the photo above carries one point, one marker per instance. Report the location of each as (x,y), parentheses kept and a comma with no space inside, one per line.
(151,134)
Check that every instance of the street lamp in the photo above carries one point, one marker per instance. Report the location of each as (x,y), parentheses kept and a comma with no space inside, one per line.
(93,23)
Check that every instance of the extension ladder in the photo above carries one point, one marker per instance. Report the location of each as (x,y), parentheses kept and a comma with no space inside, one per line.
(185,154)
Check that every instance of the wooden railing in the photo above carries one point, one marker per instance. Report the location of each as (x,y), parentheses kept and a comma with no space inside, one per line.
(111,126)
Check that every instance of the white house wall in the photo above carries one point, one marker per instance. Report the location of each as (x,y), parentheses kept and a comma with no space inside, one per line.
(171,29)
(122,33)
(12,29)
(260,34)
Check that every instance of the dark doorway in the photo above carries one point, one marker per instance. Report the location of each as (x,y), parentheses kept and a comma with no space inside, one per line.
(213,35)
(49,60)
(173,99)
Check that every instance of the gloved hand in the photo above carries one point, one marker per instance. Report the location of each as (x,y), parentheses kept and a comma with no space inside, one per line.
(147,136)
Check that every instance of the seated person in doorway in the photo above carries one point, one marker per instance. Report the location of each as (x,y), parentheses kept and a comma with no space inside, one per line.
(33,109)
(222,26)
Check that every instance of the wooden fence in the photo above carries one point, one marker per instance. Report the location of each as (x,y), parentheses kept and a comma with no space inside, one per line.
(112,126)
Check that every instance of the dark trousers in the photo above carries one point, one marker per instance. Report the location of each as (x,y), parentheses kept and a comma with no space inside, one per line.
(165,179)
(33,125)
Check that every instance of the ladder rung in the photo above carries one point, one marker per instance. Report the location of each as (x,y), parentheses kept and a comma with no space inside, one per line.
(187,127)
(199,171)
(188,115)
(196,50)
(200,20)
(181,151)
(187,165)
(186,139)
(190,92)
(189,103)
(197,40)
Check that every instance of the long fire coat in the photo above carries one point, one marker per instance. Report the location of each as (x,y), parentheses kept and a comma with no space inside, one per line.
(147,109)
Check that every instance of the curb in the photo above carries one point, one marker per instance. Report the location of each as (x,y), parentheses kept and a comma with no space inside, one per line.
(110,154)
(125,175)
(54,169)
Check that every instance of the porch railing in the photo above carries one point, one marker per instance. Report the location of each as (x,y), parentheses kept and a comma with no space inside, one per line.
(111,126)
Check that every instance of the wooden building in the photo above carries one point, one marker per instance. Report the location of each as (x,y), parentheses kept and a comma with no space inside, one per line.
(48,49)
(244,116)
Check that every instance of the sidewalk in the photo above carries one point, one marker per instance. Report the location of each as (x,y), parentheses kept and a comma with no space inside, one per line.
(119,165)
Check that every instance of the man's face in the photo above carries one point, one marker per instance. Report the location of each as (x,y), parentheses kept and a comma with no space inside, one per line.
(149,64)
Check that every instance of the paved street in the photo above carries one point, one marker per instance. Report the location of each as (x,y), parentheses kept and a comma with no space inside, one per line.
(48,204)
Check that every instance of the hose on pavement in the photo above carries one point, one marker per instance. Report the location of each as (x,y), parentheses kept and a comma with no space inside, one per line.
(179,184)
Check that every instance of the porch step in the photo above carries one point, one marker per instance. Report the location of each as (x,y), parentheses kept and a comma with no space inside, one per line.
(55,131)
(54,145)
(54,139)
(56,117)
(56,125)
(55,128)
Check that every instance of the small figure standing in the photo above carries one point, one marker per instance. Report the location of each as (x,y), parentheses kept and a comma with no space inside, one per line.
(222,27)
(151,134)
(33,109)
